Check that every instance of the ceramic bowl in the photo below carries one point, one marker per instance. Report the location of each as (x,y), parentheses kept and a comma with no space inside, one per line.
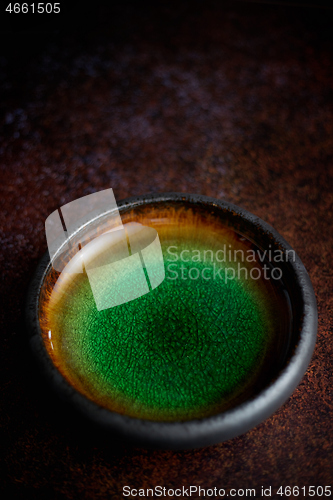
(203,357)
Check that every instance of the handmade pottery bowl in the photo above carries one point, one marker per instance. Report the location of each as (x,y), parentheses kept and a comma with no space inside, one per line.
(205,356)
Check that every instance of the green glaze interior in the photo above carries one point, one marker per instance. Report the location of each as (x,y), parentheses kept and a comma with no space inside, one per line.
(190,348)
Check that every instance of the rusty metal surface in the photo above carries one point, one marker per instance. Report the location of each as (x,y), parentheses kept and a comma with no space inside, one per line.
(233,102)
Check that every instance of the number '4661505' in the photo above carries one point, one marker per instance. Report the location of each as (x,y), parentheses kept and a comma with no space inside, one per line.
(33,8)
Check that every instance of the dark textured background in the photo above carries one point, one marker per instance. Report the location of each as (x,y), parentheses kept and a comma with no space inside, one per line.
(230,100)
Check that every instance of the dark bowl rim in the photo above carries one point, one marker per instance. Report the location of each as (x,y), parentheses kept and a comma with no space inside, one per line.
(208,430)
